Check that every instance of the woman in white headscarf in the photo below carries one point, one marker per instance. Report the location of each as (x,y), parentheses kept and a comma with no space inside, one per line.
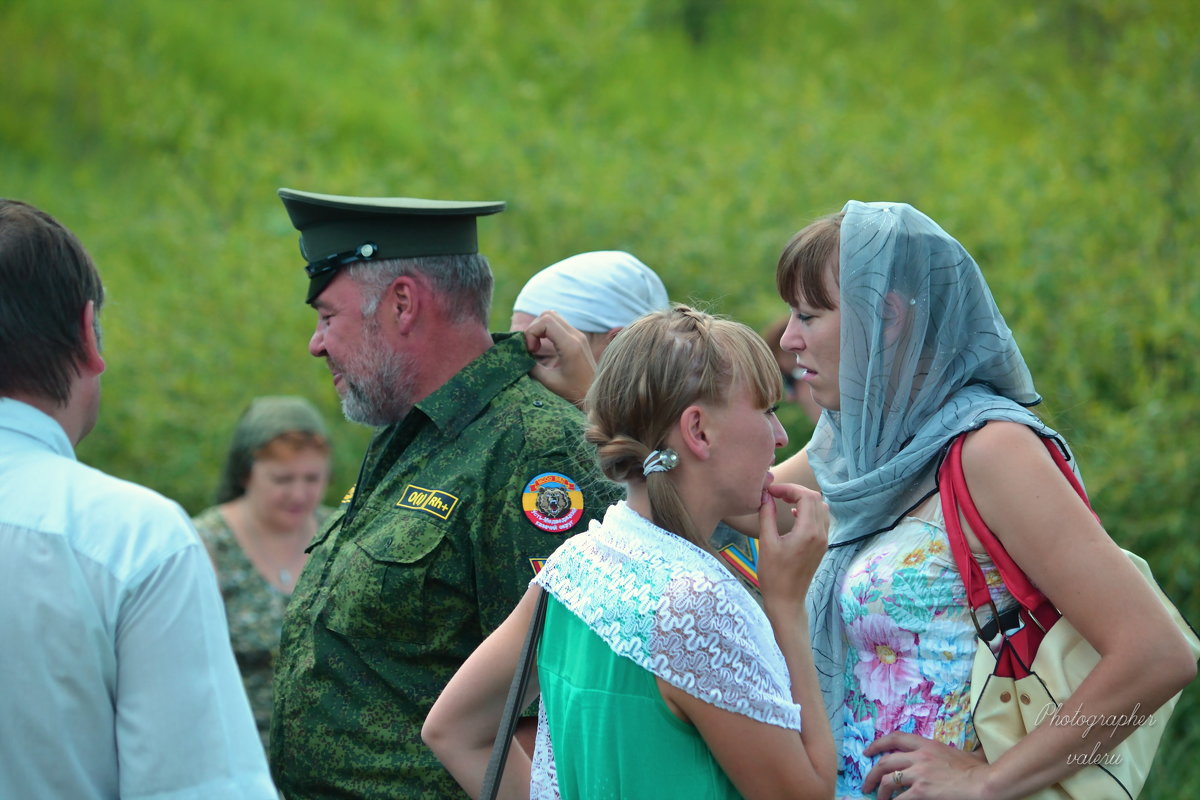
(900,341)
(572,309)
(597,293)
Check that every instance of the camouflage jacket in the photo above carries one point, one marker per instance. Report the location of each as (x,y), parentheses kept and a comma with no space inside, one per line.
(454,509)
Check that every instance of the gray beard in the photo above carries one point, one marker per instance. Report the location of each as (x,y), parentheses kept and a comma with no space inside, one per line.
(385,394)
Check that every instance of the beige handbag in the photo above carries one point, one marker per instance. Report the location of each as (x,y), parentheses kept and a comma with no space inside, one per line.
(1021,685)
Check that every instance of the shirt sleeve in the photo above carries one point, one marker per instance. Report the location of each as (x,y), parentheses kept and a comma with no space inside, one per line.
(183,724)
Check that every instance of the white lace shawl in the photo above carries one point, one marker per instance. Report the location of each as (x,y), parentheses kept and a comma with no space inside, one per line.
(672,609)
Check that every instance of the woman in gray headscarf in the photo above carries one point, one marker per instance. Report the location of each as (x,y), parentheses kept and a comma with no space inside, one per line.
(899,340)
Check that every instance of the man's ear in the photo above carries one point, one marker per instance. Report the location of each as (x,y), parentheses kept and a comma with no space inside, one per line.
(692,429)
(92,362)
(404,299)
(611,334)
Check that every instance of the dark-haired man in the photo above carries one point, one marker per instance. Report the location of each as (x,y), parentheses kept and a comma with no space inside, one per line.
(114,655)
(451,514)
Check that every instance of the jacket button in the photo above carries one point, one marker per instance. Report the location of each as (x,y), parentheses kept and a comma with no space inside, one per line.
(1005,697)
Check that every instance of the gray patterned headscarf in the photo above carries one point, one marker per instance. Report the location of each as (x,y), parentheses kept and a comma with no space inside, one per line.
(925,355)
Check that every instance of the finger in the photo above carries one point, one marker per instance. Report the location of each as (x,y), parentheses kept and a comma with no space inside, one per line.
(811,511)
(767,524)
(896,746)
(892,784)
(552,326)
(541,329)
(901,742)
(551,316)
(874,778)
(809,523)
(888,788)
(532,341)
(884,774)
(791,492)
(547,325)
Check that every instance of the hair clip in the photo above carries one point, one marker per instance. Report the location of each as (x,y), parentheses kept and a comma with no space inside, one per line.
(660,461)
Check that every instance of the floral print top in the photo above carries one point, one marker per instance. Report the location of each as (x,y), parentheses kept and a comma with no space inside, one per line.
(253,608)
(910,642)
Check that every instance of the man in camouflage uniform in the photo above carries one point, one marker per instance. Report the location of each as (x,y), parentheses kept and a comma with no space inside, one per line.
(476,474)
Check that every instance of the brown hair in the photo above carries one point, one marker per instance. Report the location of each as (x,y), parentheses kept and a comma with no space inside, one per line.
(809,255)
(290,443)
(46,280)
(653,370)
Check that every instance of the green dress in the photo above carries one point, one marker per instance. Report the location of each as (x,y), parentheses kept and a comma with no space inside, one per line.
(253,608)
(631,604)
(454,509)
(613,735)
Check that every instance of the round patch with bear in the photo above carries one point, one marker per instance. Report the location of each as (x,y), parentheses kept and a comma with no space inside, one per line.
(552,502)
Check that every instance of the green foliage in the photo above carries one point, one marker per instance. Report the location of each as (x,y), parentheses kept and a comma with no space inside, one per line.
(1056,140)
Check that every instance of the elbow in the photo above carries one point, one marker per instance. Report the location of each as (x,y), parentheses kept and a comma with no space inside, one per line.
(434,734)
(1174,661)
(827,780)
(819,786)
(429,734)
(1180,663)
(825,787)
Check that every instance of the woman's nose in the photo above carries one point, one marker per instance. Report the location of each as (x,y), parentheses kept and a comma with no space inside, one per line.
(792,339)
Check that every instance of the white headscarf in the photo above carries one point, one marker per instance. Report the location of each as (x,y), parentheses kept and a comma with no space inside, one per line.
(595,292)
(907,390)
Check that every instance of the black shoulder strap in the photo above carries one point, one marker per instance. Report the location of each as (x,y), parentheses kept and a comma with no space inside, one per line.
(512,706)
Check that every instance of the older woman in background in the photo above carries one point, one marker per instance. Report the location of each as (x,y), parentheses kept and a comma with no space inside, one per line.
(268,510)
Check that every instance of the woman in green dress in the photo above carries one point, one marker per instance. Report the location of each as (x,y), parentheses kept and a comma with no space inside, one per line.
(659,674)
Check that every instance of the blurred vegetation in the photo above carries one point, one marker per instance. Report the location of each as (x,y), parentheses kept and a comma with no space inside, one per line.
(1057,140)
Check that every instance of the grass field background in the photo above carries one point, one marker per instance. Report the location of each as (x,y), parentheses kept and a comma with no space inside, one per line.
(1057,140)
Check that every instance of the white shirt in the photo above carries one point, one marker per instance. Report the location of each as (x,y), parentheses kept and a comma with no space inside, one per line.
(116,674)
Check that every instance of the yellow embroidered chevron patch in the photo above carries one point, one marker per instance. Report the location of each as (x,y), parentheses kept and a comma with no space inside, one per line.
(436,502)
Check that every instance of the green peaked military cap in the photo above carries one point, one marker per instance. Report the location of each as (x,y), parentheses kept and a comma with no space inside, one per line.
(336,230)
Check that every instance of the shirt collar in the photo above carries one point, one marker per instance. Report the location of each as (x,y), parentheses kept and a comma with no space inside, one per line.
(21,419)
(461,399)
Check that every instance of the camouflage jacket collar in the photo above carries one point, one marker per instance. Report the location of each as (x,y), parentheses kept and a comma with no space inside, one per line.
(462,398)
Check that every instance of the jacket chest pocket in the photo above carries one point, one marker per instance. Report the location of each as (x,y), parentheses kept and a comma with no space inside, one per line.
(381,588)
